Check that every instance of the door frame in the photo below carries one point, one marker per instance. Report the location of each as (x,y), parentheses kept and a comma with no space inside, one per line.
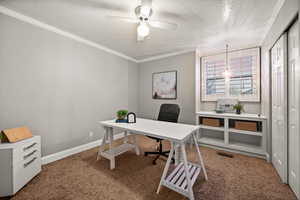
(296,22)
(285,160)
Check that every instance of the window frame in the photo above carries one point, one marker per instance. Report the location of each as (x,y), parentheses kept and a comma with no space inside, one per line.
(243,98)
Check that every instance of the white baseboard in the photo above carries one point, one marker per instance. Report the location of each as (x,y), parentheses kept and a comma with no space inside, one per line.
(68,152)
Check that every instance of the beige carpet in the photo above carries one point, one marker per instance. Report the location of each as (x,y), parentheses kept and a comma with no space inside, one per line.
(81,177)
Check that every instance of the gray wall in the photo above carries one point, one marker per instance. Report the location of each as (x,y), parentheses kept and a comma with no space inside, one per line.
(58,87)
(185,66)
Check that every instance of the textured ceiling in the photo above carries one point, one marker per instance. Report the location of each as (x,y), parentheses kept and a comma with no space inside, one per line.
(201,23)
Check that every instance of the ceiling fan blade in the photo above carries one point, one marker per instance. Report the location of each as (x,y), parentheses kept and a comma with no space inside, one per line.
(163,25)
(124,19)
(146,3)
(97,5)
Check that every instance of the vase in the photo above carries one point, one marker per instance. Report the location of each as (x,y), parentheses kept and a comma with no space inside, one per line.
(238,111)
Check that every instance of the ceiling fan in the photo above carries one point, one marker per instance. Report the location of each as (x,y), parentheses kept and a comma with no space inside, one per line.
(143,14)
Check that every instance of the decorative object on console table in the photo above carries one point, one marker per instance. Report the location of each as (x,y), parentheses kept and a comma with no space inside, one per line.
(238,108)
(121,116)
(164,85)
(131,117)
(225,105)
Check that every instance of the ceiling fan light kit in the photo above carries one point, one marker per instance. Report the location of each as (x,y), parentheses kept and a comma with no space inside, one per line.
(143,29)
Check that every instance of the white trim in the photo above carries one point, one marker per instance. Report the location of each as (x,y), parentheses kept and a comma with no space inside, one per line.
(272,19)
(165,55)
(45,26)
(197,81)
(233,151)
(32,21)
(255,97)
(68,152)
(37,23)
(61,32)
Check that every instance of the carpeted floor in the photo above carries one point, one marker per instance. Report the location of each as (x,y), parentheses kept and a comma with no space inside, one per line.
(81,177)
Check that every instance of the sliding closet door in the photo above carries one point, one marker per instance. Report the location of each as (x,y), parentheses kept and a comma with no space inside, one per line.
(279,106)
(293,106)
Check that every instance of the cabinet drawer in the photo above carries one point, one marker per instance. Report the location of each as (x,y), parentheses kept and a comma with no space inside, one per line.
(26,150)
(25,170)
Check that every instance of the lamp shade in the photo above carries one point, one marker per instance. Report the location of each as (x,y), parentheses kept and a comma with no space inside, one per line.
(143,30)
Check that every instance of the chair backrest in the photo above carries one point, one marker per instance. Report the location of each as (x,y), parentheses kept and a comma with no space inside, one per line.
(169,113)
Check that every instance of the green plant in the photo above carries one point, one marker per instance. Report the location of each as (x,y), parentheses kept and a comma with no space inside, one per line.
(1,136)
(238,107)
(121,114)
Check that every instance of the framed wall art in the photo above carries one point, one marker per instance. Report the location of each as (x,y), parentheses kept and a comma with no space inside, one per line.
(164,85)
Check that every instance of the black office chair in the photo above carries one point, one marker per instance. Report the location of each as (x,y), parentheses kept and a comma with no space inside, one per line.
(168,113)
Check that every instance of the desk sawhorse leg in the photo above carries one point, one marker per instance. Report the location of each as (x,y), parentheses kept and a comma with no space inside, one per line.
(112,152)
(183,177)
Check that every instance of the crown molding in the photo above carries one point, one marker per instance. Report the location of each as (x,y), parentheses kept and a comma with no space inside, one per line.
(37,23)
(271,21)
(14,14)
(165,55)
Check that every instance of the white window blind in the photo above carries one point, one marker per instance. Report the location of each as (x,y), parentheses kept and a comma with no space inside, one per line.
(242,83)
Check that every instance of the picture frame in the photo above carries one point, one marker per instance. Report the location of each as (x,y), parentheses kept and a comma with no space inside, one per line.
(164,85)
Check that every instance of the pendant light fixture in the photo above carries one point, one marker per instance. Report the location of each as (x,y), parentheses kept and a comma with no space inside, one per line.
(227,72)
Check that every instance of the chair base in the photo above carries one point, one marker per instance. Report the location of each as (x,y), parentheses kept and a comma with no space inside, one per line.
(158,154)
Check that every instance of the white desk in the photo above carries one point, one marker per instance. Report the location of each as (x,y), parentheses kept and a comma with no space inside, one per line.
(176,133)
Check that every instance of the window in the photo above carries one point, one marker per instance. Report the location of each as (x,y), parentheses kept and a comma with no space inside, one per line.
(243,81)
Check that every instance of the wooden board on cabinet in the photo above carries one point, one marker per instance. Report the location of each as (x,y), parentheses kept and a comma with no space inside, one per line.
(16,134)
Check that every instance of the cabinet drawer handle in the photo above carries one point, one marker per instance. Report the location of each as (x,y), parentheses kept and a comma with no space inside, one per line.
(30,154)
(30,146)
(29,162)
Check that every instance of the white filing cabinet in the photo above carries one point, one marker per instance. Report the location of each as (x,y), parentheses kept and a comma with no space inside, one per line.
(19,163)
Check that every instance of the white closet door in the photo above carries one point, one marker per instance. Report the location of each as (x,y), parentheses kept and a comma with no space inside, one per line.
(293,106)
(279,107)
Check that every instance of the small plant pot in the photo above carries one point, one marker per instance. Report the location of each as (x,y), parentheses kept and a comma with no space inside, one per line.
(121,117)
(238,111)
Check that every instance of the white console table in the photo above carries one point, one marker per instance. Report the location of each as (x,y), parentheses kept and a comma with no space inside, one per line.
(224,140)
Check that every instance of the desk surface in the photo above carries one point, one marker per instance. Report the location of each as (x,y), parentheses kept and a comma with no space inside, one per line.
(160,129)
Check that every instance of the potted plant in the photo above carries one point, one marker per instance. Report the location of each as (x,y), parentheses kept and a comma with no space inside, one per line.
(238,108)
(1,137)
(121,114)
